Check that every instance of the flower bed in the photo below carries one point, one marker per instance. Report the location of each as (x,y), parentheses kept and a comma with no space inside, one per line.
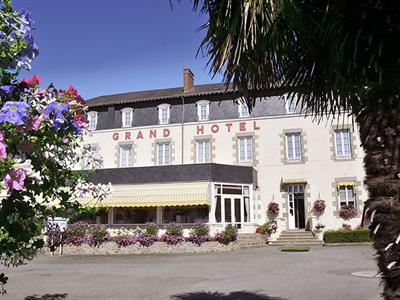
(82,238)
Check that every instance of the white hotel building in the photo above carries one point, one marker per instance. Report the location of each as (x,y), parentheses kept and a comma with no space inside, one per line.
(196,154)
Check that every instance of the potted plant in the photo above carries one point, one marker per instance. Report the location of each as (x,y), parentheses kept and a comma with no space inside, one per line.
(273,208)
(319,206)
(319,231)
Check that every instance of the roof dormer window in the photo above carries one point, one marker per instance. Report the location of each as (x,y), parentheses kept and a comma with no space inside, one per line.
(163,113)
(243,110)
(203,110)
(290,104)
(127,114)
(92,119)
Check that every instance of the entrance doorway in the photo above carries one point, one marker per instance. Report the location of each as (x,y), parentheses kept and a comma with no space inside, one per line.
(296,213)
(233,210)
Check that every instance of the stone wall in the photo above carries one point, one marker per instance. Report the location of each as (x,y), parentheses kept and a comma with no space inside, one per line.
(111,248)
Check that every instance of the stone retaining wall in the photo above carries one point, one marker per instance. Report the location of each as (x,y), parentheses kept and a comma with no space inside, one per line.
(111,248)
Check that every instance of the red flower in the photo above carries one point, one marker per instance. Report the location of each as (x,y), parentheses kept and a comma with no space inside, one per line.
(31,82)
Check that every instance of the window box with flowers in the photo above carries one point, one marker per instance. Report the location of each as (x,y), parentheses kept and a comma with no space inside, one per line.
(273,208)
(348,212)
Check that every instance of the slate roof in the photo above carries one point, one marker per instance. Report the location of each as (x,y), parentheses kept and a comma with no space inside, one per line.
(157,95)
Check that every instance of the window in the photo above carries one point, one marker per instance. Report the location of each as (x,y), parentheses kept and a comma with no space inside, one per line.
(203,110)
(347,196)
(290,104)
(245,149)
(293,146)
(203,151)
(163,113)
(342,143)
(125,156)
(163,154)
(127,117)
(92,118)
(243,110)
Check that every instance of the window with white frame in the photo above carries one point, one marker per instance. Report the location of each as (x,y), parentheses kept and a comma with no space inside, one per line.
(293,146)
(163,113)
(92,119)
(342,143)
(243,110)
(163,154)
(127,114)
(290,104)
(125,156)
(203,110)
(203,151)
(245,149)
(347,196)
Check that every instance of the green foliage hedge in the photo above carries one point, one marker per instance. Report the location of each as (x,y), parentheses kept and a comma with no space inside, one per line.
(347,236)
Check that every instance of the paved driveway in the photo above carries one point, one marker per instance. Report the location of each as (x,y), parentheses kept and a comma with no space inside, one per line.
(257,274)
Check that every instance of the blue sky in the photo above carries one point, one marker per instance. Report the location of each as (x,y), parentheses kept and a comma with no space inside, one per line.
(106,47)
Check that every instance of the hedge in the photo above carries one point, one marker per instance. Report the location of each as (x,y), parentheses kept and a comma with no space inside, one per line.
(347,236)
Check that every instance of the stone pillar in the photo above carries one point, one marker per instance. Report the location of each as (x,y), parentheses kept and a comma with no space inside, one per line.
(111,216)
(159,218)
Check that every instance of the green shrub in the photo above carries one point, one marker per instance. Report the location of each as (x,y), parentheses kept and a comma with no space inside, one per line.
(151,229)
(174,229)
(358,235)
(200,229)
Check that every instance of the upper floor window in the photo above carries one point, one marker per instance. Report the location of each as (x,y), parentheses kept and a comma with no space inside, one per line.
(92,119)
(127,114)
(293,146)
(125,156)
(163,113)
(243,110)
(290,104)
(245,149)
(203,110)
(347,196)
(163,154)
(342,143)
(203,151)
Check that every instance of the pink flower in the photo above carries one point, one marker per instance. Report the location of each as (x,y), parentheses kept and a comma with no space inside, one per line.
(2,135)
(34,123)
(65,140)
(3,152)
(34,81)
(15,180)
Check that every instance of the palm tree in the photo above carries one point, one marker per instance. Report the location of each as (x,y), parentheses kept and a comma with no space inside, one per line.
(336,56)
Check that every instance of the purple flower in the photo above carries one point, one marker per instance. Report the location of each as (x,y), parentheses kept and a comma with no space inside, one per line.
(14,112)
(15,180)
(3,152)
(6,89)
(57,111)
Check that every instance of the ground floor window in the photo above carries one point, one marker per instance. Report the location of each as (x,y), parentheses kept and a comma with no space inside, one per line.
(232,204)
(134,215)
(347,196)
(186,214)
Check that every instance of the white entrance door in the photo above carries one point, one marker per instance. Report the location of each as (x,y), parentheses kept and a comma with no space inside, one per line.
(233,210)
(291,218)
(296,211)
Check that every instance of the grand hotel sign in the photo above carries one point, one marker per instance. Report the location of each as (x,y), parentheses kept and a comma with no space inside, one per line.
(200,129)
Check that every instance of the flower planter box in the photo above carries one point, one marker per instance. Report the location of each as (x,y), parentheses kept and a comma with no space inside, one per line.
(111,248)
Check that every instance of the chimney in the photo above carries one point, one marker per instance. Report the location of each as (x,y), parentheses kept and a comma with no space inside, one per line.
(188,80)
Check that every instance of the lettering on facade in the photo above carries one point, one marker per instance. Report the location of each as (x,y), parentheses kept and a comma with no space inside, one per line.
(200,129)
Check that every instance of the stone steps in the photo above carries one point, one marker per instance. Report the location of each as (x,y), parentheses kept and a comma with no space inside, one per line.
(296,237)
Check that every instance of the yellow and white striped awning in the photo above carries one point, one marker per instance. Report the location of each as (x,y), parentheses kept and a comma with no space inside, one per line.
(346,183)
(144,195)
